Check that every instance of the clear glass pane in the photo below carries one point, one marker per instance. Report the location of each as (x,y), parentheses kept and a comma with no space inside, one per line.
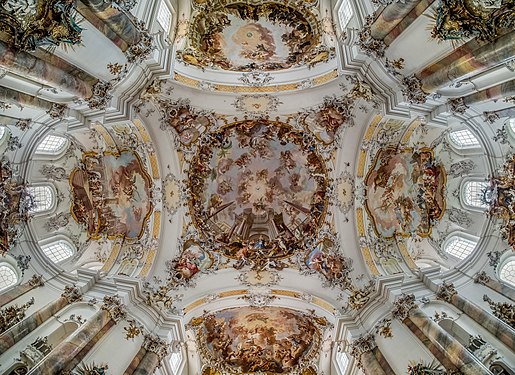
(175,362)
(343,361)
(164,16)
(508,272)
(2,131)
(43,198)
(51,144)
(7,277)
(345,13)
(474,193)
(464,138)
(57,251)
(460,247)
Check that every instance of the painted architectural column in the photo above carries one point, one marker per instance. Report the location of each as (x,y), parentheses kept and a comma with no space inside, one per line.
(71,351)
(25,64)
(115,24)
(63,354)
(390,17)
(20,290)
(469,63)
(456,354)
(156,350)
(19,331)
(495,326)
(407,21)
(503,90)
(482,277)
(135,361)
(362,350)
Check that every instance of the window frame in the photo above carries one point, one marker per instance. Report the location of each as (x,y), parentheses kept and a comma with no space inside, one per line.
(167,6)
(10,267)
(56,241)
(510,258)
(342,367)
(56,153)
(463,194)
(344,18)
(459,236)
(465,148)
(53,192)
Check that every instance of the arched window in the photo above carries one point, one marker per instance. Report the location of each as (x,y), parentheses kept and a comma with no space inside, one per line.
(164,16)
(464,139)
(507,272)
(476,194)
(512,125)
(343,361)
(460,247)
(57,251)
(175,362)
(7,276)
(43,197)
(51,144)
(345,13)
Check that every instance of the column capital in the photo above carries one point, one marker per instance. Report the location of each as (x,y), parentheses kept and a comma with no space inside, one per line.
(72,293)
(502,310)
(482,278)
(115,307)
(446,291)
(36,280)
(157,345)
(403,305)
(360,346)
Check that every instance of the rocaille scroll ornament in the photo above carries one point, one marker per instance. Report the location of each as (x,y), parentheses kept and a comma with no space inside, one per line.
(39,23)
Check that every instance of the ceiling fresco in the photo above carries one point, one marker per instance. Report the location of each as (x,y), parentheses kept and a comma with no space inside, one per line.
(111,194)
(405,192)
(272,340)
(258,188)
(244,36)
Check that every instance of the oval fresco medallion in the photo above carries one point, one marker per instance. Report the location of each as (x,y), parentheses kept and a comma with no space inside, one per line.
(258,189)
(244,36)
(405,192)
(250,340)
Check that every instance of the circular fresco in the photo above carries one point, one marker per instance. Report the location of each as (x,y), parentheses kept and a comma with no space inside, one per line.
(265,36)
(267,339)
(258,188)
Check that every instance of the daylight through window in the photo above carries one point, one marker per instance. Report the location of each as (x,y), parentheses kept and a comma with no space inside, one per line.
(57,251)
(460,247)
(43,198)
(7,277)
(52,144)
(464,139)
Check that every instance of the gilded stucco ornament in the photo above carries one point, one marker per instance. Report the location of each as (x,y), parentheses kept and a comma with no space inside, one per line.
(412,89)
(101,97)
(502,310)
(482,278)
(370,46)
(463,19)
(157,345)
(139,52)
(72,293)
(457,106)
(256,105)
(39,23)
(360,346)
(133,330)
(432,368)
(403,305)
(115,307)
(384,329)
(359,297)
(56,111)
(446,291)
(15,205)
(13,314)
(36,280)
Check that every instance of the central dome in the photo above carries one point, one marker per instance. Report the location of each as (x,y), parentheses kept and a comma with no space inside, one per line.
(258,186)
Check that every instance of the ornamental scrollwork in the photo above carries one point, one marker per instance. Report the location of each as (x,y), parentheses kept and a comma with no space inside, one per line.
(39,23)
(463,19)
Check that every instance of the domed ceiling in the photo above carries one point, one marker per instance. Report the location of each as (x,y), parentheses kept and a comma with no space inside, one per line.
(259,180)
